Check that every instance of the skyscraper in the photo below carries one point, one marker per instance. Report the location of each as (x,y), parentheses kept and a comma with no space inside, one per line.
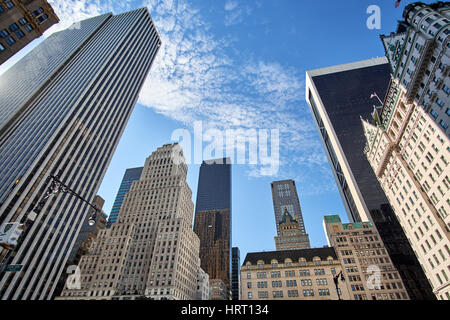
(235,274)
(63,107)
(419,60)
(21,22)
(83,242)
(130,175)
(152,249)
(286,203)
(408,139)
(212,222)
(336,110)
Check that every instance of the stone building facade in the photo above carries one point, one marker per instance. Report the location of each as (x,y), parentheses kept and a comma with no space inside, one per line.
(300,274)
(366,264)
(152,250)
(408,145)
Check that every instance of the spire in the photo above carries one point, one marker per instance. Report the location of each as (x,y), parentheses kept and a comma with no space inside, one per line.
(370,131)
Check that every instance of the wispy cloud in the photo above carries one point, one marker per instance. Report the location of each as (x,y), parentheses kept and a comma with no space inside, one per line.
(230,5)
(197,77)
(71,11)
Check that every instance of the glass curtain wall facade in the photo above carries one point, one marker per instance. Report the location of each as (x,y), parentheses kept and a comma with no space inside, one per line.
(212,222)
(130,175)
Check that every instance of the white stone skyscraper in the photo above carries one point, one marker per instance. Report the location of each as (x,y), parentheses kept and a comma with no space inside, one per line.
(63,108)
(151,250)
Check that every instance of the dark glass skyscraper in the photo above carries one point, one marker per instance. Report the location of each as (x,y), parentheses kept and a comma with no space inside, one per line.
(130,175)
(338,96)
(63,108)
(214,185)
(212,222)
(235,273)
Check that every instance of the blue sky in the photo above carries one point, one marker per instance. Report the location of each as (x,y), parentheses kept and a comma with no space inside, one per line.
(241,65)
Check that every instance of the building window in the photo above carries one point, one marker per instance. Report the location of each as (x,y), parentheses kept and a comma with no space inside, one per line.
(2,9)
(37,12)
(446,89)
(42,18)
(13,27)
(10,40)
(23,21)
(9,4)
(4,33)
(434,114)
(20,34)
(443,124)
(29,27)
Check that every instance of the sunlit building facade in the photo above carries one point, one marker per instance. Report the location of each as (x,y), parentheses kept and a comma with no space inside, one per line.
(408,139)
(367,268)
(22,21)
(151,250)
(63,108)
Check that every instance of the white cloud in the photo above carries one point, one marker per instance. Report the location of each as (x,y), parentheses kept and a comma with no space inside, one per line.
(230,5)
(72,11)
(195,77)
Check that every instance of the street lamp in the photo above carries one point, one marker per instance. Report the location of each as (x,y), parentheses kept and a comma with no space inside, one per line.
(10,242)
(336,280)
(57,186)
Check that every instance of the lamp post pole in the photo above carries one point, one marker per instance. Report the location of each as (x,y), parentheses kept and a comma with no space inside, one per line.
(336,280)
(56,186)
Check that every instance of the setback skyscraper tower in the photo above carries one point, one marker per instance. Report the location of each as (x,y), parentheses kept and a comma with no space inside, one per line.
(337,109)
(291,232)
(151,250)
(63,107)
(212,223)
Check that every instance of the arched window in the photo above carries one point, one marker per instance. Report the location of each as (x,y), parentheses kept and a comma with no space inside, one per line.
(302,262)
(317,261)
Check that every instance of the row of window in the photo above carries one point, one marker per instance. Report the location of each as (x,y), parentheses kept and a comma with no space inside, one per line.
(291,293)
(7,4)
(289,283)
(14,28)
